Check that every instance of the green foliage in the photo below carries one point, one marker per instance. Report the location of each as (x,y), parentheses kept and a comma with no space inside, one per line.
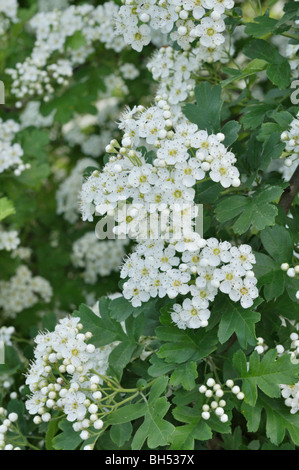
(278,420)
(265,374)
(6,208)
(206,112)
(235,319)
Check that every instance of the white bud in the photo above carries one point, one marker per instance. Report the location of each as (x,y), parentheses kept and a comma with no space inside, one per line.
(182,30)
(93,409)
(224,418)
(236,389)
(219,411)
(280,349)
(144,17)
(98,424)
(183,15)
(70,369)
(210,382)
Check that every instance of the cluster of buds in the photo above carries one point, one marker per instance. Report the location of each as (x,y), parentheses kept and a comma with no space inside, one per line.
(214,393)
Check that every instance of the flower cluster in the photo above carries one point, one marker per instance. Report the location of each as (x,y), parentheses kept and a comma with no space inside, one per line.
(174,259)
(10,153)
(65,376)
(8,13)
(37,76)
(129,71)
(97,257)
(8,425)
(22,252)
(199,268)
(214,393)
(67,195)
(31,116)
(184,156)
(9,240)
(175,69)
(185,20)
(22,291)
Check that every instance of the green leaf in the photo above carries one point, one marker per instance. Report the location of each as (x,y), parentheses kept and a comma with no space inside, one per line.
(268,130)
(51,433)
(278,70)
(184,345)
(206,112)
(230,130)
(278,243)
(283,119)
(257,211)
(34,143)
(121,433)
(6,208)
(76,41)
(207,192)
(254,67)
(154,429)
(263,50)
(272,149)
(254,114)
(279,420)
(34,177)
(262,26)
(236,319)
(233,441)
(195,428)
(104,330)
(12,362)
(266,373)
(185,375)
(121,309)
(127,413)
(264,265)
(274,284)
(120,357)
(68,439)
(280,74)
(159,367)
